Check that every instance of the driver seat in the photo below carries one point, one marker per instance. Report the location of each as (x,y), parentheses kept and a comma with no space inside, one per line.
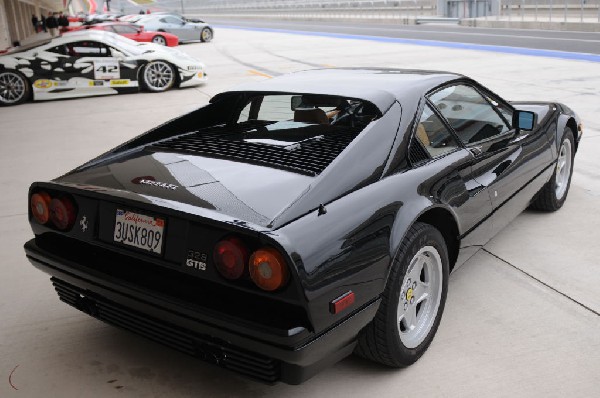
(310,116)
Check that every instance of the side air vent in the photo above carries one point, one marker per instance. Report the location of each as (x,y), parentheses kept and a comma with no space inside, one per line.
(309,156)
(417,153)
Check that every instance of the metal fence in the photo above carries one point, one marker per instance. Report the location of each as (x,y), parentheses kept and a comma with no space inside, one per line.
(582,11)
(550,10)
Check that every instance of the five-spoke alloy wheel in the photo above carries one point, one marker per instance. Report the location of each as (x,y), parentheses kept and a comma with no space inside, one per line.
(420,295)
(412,303)
(562,174)
(553,195)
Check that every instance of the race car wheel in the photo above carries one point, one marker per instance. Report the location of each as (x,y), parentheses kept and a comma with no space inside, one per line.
(412,302)
(158,39)
(14,88)
(158,76)
(206,35)
(554,194)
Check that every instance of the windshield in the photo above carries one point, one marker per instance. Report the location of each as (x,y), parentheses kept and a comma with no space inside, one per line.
(287,111)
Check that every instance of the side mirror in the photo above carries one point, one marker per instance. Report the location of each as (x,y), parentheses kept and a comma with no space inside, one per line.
(296,102)
(524,120)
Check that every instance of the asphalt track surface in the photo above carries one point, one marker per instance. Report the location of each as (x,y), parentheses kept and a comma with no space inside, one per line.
(571,42)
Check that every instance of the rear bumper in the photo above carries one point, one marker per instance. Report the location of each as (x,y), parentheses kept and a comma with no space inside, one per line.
(292,359)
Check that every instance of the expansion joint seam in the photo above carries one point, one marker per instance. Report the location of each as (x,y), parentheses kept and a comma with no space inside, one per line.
(543,283)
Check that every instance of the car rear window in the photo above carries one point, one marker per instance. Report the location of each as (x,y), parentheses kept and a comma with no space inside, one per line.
(299,133)
(283,111)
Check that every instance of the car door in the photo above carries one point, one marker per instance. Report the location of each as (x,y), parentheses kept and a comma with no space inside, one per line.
(456,184)
(506,161)
(177,26)
(67,74)
(94,68)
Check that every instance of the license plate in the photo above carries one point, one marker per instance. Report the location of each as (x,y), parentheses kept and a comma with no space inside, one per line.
(139,230)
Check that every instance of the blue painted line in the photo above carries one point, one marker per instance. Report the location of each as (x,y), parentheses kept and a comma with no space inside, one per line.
(433,43)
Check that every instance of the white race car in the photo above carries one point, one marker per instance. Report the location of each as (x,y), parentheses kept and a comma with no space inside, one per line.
(88,63)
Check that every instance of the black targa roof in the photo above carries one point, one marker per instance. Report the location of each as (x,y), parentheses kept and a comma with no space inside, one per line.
(379,86)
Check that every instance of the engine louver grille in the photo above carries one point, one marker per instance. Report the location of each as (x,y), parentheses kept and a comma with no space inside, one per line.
(203,347)
(310,156)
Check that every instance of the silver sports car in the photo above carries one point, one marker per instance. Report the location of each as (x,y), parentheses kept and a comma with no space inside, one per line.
(184,29)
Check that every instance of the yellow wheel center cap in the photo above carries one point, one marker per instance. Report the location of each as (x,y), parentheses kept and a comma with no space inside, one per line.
(409,294)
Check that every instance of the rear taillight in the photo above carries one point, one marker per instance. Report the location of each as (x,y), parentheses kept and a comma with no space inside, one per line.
(54,210)
(231,256)
(62,213)
(268,269)
(40,207)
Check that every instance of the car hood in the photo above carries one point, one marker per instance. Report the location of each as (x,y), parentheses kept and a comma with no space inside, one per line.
(245,191)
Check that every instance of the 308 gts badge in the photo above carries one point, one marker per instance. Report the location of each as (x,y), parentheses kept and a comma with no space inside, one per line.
(196,260)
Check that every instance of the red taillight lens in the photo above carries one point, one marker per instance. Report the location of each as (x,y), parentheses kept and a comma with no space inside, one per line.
(62,213)
(230,256)
(268,269)
(40,207)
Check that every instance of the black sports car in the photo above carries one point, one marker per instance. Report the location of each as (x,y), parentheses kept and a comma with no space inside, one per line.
(292,222)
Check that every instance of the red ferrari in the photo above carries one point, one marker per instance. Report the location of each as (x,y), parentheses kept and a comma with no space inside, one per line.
(134,32)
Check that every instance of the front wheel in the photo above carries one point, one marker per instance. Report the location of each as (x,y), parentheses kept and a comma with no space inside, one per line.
(554,194)
(14,88)
(158,76)
(412,303)
(206,35)
(159,40)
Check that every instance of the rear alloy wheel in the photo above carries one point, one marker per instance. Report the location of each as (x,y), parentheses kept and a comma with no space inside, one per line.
(420,295)
(159,40)
(554,194)
(14,88)
(412,303)
(158,76)
(206,35)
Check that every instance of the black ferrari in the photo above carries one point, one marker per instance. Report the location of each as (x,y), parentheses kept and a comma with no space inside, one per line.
(292,222)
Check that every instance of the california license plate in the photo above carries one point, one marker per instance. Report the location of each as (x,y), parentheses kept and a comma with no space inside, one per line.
(139,230)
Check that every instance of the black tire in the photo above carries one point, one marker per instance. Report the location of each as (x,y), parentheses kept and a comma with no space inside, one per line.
(159,39)
(206,35)
(158,76)
(381,340)
(551,197)
(14,88)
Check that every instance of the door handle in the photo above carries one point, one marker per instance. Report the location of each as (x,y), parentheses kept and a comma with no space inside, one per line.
(476,150)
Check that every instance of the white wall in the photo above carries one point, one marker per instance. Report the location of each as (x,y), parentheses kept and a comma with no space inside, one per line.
(4,35)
